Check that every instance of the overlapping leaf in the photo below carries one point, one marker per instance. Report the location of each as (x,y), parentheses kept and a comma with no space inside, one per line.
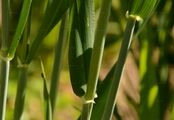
(54,11)
(20,28)
(81,44)
(107,93)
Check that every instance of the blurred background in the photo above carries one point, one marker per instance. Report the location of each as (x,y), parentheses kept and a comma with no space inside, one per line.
(147,86)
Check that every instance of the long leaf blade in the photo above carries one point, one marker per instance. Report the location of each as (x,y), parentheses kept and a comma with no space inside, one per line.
(55,10)
(96,58)
(58,59)
(20,28)
(81,44)
(76,63)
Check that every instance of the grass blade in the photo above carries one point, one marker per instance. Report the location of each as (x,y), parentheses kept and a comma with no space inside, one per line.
(96,58)
(86,17)
(5,62)
(58,58)
(20,27)
(76,61)
(102,92)
(143,8)
(110,102)
(23,69)
(81,44)
(55,10)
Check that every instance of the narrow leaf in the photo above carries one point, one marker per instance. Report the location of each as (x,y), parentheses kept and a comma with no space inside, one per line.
(81,44)
(21,88)
(54,12)
(76,61)
(143,8)
(58,59)
(20,27)
(96,58)
(105,107)
(102,92)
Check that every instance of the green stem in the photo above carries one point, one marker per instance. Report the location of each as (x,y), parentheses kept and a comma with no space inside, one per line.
(110,103)
(4,63)
(47,102)
(4,72)
(23,68)
(5,24)
(59,54)
(96,59)
(20,97)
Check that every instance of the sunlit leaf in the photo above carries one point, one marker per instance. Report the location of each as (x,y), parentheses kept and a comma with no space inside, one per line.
(54,12)
(20,28)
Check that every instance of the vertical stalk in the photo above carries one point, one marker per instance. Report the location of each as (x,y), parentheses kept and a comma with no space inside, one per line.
(20,97)
(5,24)
(5,66)
(110,103)
(23,69)
(96,58)
(47,102)
(59,54)
(5,62)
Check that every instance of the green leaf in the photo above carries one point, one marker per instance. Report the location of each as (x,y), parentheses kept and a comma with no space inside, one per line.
(54,12)
(76,61)
(143,8)
(105,106)
(20,27)
(102,92)
(58,58)
(86,19)
(81,44)
(137,6)
(22,82)
(96,58)
(148,7)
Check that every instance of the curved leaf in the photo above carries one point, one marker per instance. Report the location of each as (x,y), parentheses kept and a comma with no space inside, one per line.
(76,61)
(81,44)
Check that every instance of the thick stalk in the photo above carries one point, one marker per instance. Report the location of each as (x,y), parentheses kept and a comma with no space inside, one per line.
(96,59)
(59,54)
(5,63)
(109,107)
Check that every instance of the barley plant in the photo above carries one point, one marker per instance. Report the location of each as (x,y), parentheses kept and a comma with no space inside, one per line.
(87,60)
